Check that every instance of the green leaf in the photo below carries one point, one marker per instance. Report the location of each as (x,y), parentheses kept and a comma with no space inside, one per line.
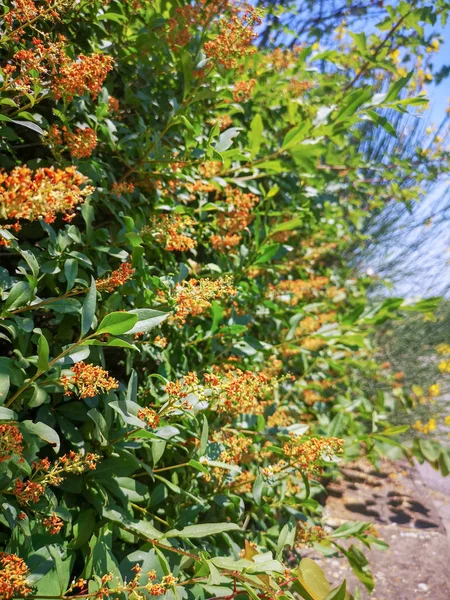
(382,122)
(43,431)
(19,295)
(338,593)
(313,580)
(204,437)
(255,136)
(7,414)
(200,531)
(226,139)
(5,382)
(266,253)
(71,272)
(29,125)
(147,319)
(397,87)
(88,310)
(43,354)
(287,226)
(258,488)
(117,323)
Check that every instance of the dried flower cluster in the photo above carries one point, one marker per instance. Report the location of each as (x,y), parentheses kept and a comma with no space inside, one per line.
(194,296)
(10,442)
(308,456)
(116,279)
(31,195)
(88,381)
(13,576)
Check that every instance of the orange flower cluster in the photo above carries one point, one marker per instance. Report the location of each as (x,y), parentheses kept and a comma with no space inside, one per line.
(313,344)
(241,392)
(13,576)
(116,279)
(82,143)
(26,11)
(161,342)
(149,416)
(185,17)
(155,589)
(29,195)
(194,297)
(235,38)
(179,390)
(113,104)
(298,88)
(223,243)
(310,324)
(10,442)
(239,214)
(210,168)
(29,492)
(54,524)
(82,76)
(122,188)
(41,60)
(308,456)
(243,90)
(89,380)
(235,446)
(170,230)
(293,291)
(309,535)
(46,474)
(23,11)
(280,59)
(311,397)
(282,417)
(223,121)
(196,16)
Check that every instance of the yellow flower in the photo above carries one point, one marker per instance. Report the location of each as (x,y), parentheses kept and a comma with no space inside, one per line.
(434,389)
(444,366)
(447,421)
(433,47)
(443,348)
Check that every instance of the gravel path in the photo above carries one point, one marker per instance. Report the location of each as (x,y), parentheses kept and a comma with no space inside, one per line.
(410,508)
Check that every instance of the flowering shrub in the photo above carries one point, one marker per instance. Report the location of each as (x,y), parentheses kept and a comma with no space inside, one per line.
(186,341)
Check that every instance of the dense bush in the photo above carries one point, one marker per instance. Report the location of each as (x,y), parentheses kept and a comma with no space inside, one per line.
(186,342)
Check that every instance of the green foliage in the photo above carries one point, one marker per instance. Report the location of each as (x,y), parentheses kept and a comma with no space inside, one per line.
(187,348)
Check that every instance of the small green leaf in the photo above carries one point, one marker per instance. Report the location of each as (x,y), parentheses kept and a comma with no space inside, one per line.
(117,323)
(88,310)
(200,531)
(45,432)
(43,354)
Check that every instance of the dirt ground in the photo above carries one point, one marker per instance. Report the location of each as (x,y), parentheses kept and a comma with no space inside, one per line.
(410,508)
